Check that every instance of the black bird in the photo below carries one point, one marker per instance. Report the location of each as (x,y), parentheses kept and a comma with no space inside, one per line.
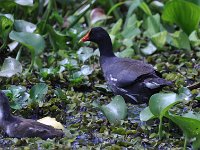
(19,127)
(135,80)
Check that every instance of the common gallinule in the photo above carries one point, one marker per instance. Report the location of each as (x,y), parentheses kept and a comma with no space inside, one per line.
(135,80)
(19,127)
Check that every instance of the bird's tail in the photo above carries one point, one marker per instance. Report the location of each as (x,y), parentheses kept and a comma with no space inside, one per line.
(154,83)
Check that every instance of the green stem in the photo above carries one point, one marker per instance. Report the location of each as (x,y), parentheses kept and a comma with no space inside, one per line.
(115,12)
(19,53)
(160,128)
(47,13)
(185,143)
(31,66)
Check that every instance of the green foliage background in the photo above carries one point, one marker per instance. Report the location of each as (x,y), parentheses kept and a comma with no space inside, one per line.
(51,74)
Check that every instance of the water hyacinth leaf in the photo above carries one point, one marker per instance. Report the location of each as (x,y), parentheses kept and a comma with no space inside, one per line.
(198,97)
(146,114)
(24,26)
(20,102)
(116,110)
(190,125)
(145,8)
(152,25)
(127,53)
(131,29)
(131,32)
(116,27)
(24,2)
(194,38)
(150,49)
(197,2)
(12,45)
(6,24)
(184,93)
(178,10)
(32,41)
(16,90)
(128,43)
(133,6)
(58,40)
(10,67)
(67,61)
(159,39)
(18,95)
(160,103)
(86,70)
(179,39)
(84,53)
(38,92)
(45,72)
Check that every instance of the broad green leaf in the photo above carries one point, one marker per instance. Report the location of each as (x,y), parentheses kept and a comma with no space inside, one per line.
(159,39)
(84,53)
(146,114)
(6,24)
(152,25)
(11,3)
(7,4)
(150,49)
(24,26)
(128,43)
(127,53)
(34,42)
(131,29)
(58,40)
(45,72)
(160,103)
(131,33)
(179,39)
(134,4)
(86,70)
(184,93)
(116,110)
(10,67)
(131,22)
(197,2)
(18,95)
(145,8)
(190,125)
(24,2)
(12,45)
(178,11)
(198,97)
(117,27)
(68,61)
(38,92)
(194,38)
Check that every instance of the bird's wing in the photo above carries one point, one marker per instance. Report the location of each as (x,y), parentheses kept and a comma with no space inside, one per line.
(126,71)
(32,128)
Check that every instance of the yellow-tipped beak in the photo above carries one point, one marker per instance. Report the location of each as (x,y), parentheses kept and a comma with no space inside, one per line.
(85,38)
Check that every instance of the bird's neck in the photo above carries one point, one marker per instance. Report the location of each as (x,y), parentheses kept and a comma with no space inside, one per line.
(105,48)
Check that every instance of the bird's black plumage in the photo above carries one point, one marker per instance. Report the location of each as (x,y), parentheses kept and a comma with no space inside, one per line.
(135,80)
(19,127)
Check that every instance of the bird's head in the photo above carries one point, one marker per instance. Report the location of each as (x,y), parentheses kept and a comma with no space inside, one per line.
(96,34)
